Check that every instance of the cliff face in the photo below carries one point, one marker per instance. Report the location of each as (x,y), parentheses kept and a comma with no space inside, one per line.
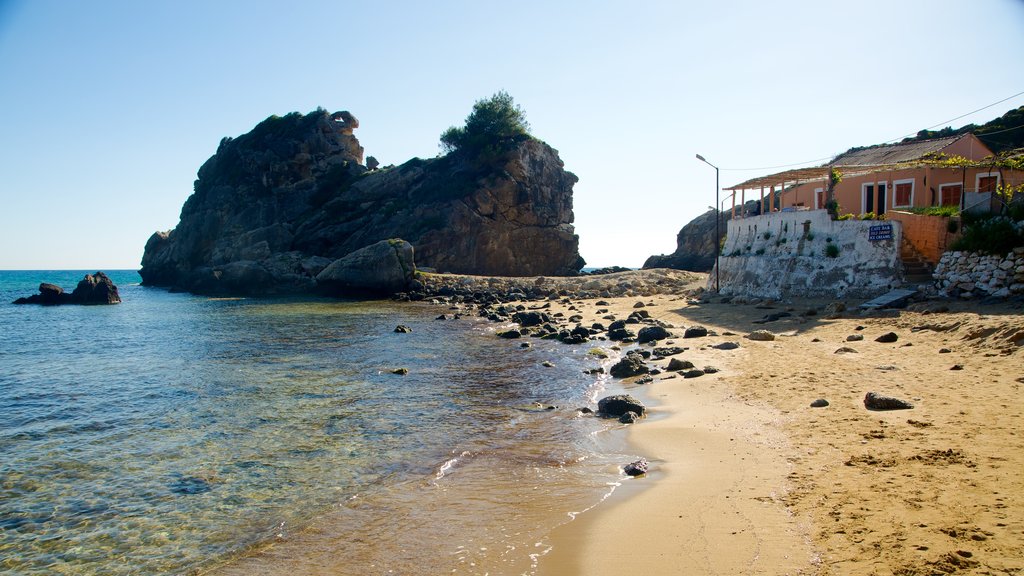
(274,207)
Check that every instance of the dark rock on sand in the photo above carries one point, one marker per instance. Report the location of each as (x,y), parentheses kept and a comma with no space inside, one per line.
(695,373)
(695,332)
(676,364)
(727,346)
(819,403)
(530,318)
(666,351)
(874,401)
(652,334)
(887,337)
(637,468)
(619,404)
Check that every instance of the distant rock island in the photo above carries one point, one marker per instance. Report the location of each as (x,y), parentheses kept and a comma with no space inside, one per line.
(695,243)
(275,207)
(93,289)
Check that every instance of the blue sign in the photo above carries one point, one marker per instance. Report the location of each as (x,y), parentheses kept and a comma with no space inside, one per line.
(880,232)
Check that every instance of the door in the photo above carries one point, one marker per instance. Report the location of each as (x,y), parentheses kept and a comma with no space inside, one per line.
(867,200)
(881,198)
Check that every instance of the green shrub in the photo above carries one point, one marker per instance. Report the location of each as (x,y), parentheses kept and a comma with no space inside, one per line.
(767,234)
(810,236)
(845,217)
(947,211)
(491,129)
(996,235)
(831,250)
(759,251)
(872,216)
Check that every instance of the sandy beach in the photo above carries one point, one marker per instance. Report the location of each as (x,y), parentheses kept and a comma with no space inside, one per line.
(747,478)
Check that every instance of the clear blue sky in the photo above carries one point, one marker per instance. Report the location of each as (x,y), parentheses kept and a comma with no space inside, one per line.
(109,108)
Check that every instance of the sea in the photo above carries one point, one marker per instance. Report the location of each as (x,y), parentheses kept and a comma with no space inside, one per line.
(181,434)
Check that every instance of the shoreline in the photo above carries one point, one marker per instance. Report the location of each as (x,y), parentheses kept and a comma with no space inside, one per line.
(834,490)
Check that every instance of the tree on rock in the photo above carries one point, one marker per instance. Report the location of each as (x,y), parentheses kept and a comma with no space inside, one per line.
(494,125)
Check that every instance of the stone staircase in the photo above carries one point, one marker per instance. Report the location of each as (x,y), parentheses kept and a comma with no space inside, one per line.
(916,270)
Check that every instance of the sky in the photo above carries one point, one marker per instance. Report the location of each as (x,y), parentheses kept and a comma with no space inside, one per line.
(110,107)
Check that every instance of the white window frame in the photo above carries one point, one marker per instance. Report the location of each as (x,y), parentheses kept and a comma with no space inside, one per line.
(816,191)
(950,185)
(864,195)
(980,175)
(896,183)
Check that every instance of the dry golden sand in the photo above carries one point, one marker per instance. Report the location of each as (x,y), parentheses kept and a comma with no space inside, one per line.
(747,478)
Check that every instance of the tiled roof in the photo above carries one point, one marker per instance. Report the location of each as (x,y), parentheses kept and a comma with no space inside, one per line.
(893,153)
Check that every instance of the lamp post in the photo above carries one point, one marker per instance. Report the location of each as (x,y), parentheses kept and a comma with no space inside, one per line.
(718,218)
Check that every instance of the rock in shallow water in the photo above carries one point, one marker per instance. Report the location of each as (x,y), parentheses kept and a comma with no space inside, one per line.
(619,404)
(637,468)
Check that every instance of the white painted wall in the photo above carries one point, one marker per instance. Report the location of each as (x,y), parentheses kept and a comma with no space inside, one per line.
(792,259)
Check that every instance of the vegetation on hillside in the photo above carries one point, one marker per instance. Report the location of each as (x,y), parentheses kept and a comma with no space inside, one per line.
(1001,134)
(494,126)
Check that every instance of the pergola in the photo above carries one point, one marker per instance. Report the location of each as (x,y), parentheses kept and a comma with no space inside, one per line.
(778,183)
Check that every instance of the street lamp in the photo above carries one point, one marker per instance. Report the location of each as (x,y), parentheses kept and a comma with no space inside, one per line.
(718,218)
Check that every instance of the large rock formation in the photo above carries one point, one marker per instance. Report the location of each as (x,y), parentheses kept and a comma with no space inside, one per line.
(274,207)
(695,243)
(92,289)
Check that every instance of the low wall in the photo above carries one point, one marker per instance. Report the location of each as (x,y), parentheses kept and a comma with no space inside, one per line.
(792,260)
(967,274)
(930,235)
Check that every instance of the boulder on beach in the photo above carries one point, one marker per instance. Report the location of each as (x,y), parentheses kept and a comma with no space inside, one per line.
(382,268)
(619,404)
(652,334)
(637,468)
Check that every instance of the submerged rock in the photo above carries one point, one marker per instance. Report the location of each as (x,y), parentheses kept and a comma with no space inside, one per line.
(637,468)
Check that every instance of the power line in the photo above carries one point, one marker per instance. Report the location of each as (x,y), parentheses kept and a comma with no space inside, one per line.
(887,141)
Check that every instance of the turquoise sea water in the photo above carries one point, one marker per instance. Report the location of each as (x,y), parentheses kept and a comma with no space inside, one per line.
(179,434)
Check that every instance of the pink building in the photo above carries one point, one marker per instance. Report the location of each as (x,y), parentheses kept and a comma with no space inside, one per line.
(888,177)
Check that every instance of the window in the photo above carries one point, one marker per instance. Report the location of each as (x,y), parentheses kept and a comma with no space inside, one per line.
(987,182)
(903,193)
(819,198)
(949,194)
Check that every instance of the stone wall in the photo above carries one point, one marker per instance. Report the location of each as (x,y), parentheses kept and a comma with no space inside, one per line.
(786,254)
(930,235)
(968,274)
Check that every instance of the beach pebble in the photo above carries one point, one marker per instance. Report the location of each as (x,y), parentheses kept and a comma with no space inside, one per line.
(819,403)
(548,364)
(644,380)
(638,305)
(944,350)
(846,350)
(957,367)
(887,337)
(619,404)
(695,373)
(854,337)
(727,346)
(875,401)
(584,410)
(637,468)
(761,335)
(710,370)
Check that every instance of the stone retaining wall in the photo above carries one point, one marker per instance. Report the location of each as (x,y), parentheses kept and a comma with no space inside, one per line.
(930,235)
(786,254)
(968,274)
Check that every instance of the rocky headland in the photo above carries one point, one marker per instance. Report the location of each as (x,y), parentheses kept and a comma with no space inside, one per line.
(275,208)
(695,243)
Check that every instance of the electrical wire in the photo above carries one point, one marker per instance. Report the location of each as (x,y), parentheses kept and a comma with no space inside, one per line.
(887,141)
